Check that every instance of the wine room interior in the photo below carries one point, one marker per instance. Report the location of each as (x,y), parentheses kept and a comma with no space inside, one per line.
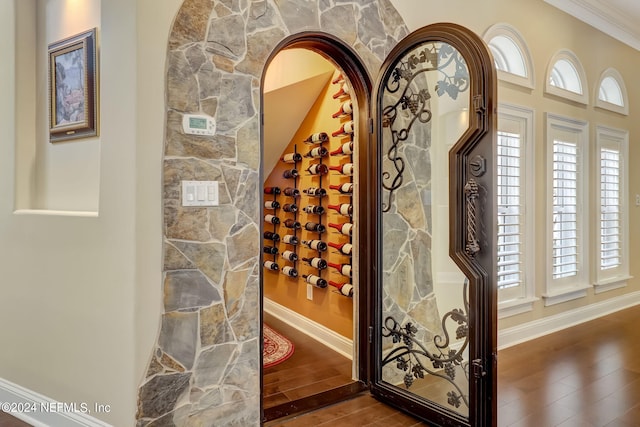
(304,96)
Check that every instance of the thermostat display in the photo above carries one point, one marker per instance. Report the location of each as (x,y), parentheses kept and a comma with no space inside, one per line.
(198,124)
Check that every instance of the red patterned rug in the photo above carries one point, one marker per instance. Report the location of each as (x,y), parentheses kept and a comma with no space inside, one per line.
(276,349)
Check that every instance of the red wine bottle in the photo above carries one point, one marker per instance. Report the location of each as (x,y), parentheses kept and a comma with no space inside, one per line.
(346,169)
(289,255)
(270,250)
(346,148)
(291,174)
(290,207)
(316,262)
(270,265)
(291,223)
(345,129)
(345,228)
(291,192)
(346,188)
(344,248)
(315,280)
(313,209)
(289,271)
(270,235)
(318,245)
(271,190)
(317,138)
(317,152)
(315,192)
(291,158)
(273,204)
(272,219)
(290,239)
(338,79)
(342,92)
(345,209)
(314,226)
(346,109)
(345,289)
(318,169)
(344,269)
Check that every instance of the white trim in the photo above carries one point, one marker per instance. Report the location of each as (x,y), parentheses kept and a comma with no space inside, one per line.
(510,32)
(565,295)
(611,284)
(40,411)
(517,334)
(621,109)
(515,307)
(572,58)
(320,333)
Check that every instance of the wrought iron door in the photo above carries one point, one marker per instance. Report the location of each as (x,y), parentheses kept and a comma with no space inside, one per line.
(434,323)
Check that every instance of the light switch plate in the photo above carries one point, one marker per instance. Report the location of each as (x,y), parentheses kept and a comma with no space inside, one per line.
(200,193)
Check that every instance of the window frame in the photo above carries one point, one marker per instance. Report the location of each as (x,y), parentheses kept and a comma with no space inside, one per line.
(623,109)
(579,97)
(508,31)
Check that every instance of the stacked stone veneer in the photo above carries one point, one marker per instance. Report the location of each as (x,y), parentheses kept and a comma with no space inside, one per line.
(205,366)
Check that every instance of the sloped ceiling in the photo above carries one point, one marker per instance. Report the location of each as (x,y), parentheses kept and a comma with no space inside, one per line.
(294,80)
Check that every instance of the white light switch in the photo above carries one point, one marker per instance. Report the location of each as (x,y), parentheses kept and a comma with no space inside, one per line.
(200,193)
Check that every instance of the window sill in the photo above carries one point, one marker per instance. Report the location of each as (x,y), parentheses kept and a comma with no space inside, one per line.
(611,283)
(515,307)
(565,295)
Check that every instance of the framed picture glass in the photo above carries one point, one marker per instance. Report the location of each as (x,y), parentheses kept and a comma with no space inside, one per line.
(73,81)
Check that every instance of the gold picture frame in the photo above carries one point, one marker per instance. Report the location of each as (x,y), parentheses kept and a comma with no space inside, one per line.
(73,82)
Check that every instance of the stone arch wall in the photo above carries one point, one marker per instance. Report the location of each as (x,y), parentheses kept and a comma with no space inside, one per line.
(206,362)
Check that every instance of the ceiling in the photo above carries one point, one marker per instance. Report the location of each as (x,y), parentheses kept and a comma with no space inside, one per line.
(618,18)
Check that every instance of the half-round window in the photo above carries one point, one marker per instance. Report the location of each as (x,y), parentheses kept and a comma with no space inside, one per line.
(612,93)
(510,54)
(566,77)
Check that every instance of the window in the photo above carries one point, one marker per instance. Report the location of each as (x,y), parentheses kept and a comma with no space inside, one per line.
(510,54)
(515,179)
(566,77)
(612,230)
(567,206)
(612,93)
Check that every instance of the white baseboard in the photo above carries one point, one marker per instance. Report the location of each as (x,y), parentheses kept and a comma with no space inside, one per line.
(41,411)
(320,333)
(537,328)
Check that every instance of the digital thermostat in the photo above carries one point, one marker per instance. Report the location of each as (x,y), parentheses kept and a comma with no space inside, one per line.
(198,124)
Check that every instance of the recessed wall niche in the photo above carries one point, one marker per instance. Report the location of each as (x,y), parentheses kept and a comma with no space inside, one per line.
(51,178)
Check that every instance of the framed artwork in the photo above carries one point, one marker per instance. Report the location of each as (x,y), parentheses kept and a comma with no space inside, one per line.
(73,82)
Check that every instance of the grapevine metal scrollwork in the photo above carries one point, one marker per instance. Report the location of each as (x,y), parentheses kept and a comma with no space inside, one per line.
(415,100)
(409,356)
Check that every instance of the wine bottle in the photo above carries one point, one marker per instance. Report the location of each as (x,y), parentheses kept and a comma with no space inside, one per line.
(345,228)
(291,223)
(271,190)
(291,192)
(313,209)
(290,239)
(272,219)
(346,148)
(345,129)
(270,235)
(316,262)
(318,169)
(291,158)
(344,248)
(314,226)
(344,269)
(346,109)
(346,188)
(290,207)
(317,138)
(318,245)
(317,152)
(270,265)
(270,250)
(315,280)
(342,92)
(346,169)
(289,255)
(338,79)
(315,192)
(291,174)
(345,289)
(289,271)
(273,204)
(345,209)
